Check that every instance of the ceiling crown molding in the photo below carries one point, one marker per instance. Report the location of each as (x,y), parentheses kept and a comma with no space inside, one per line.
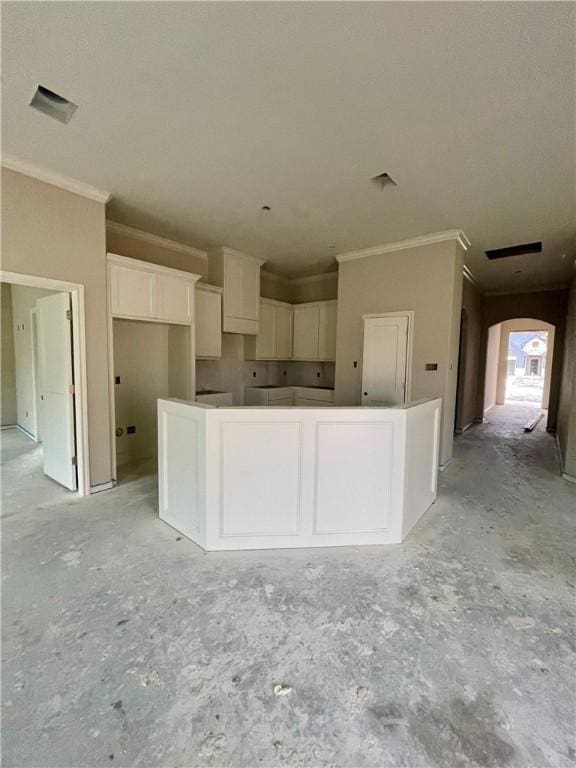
(161,242)
(401,245)
(56,179)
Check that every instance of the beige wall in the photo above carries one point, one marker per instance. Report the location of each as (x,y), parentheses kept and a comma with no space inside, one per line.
(275,287)
(427,280)
(7,361)
(134,247)
(50,232)
(524,324)
(567,406)
(492,361)
(316,288)
(468,383)
(23,301)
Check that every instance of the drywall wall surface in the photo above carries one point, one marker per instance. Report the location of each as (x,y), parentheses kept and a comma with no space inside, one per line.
(322,287)
(472,307)
(427,280)
(275,286)
(550,306)
(566,427)
(524,324)
(7,361)
(125,244)
(141,352)
(492,359)
(23,301)
(50,232)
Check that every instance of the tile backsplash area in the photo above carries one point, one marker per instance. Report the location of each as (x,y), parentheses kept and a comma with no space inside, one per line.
(232,373)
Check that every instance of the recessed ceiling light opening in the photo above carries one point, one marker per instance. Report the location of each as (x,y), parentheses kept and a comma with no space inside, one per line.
(52,104)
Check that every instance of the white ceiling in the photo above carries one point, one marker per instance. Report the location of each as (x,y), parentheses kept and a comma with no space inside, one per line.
(194,115)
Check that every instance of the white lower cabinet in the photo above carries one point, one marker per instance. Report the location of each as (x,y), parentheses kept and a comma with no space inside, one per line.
(315,397)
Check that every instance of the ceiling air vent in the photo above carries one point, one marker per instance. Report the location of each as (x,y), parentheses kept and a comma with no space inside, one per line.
(383,180)
(515,250)
(45,100)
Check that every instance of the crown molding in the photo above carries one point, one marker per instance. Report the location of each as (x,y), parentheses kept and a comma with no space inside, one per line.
(162,242)
(401,245)
(55,179)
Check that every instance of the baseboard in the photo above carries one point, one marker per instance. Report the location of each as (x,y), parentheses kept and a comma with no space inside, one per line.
(8,426)
(568,478)
(102,486)
(444,466)
(25,432)
(479,421)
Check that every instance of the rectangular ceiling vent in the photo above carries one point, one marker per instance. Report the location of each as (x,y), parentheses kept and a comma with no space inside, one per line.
(515,250)
(383,180)
(52,104)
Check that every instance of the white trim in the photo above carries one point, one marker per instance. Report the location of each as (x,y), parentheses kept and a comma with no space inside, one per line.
(442,467)
(162,242)
(56,179)
(76,291)
(26,432)
(224,249)
(401,245)
(209,288)
(102,486)
(409,313)
(130,263)
(469,276)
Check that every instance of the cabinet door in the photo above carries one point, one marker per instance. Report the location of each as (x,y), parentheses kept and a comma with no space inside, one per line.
(208,324)
(266,338)
(306,324)
(175,299)
(284,317)
(327,332)
(132,292)
(241,288)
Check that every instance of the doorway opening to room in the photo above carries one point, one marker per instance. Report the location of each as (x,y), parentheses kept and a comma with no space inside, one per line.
(526,367)
(44,433)
(519,361)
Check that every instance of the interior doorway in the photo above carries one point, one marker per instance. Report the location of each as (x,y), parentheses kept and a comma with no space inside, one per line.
(527,363)
(43,383)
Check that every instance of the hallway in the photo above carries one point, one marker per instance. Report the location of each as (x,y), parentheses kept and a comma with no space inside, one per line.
(124,644)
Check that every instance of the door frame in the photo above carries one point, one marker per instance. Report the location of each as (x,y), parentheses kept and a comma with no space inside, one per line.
(34,339)
(408,313)
(76,291)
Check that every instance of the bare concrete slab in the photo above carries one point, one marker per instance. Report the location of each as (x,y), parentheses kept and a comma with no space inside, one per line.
(125,645)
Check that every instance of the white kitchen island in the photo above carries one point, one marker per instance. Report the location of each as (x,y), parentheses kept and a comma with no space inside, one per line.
(277,477)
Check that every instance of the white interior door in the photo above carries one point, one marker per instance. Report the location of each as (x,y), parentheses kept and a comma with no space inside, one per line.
(384,360)
(55,345)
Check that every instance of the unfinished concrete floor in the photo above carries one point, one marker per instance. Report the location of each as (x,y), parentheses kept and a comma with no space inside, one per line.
(125,645)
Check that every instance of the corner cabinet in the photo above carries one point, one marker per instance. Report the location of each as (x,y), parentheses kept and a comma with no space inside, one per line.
(274,338)
(238,274)
(315,331)
(208,321)
(142,291)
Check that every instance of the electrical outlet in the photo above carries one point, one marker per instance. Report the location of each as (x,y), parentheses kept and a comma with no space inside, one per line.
(318,374)
(130,430)
(254,374)
(116,379)
(355,364)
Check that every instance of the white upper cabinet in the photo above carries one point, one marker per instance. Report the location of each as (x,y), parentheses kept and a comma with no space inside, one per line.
(175,299)
(132,292)
(274,339)
(239,276)
(208,321)
(315,331)
(284,324)
(327,331)
(306,327)
(145,291)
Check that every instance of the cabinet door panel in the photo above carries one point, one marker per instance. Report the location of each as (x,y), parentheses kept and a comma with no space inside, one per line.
(133,292)
(208,324)
(284,332)
(327,332)
(266,338)
(306,326)
(175,299)
(241,288)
